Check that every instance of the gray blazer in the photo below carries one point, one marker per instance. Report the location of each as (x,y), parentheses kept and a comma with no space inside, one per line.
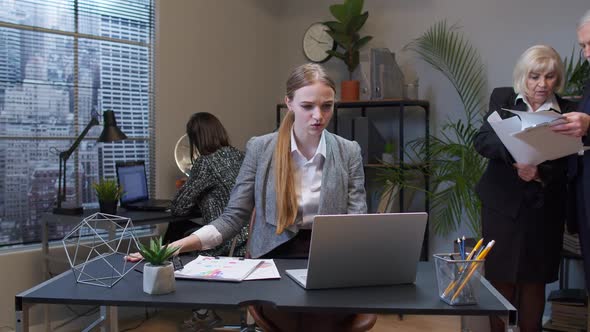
(343,190)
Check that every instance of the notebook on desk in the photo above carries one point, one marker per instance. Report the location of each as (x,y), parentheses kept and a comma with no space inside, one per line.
(132,177)
(363,250)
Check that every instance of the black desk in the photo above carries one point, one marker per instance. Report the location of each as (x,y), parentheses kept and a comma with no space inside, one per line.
(420,298)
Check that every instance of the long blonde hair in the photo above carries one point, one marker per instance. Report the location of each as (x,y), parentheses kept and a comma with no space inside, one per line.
(287,206)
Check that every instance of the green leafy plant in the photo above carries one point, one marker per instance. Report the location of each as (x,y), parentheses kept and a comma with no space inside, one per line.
(107,190)
(156,253)
(454,167)
(345,32)
(388,147)
(576,74)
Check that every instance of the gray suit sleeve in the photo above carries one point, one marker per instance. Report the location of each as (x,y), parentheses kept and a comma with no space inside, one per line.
(357,197)
(241,202)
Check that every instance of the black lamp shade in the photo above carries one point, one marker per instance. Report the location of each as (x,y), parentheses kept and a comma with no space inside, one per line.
(110,131)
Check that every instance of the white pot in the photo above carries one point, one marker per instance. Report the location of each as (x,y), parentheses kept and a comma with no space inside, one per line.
(158,279)
(388,158)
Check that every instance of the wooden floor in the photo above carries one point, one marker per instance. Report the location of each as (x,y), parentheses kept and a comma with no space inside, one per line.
(170,320)
(165,321)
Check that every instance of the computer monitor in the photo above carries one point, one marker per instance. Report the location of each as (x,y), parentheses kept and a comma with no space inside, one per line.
(132,177)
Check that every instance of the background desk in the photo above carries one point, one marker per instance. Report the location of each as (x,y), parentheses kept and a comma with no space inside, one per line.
(419,298)
(139,218)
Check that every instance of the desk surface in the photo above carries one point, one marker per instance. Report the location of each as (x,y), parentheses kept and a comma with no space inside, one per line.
(138,217)
(418,298)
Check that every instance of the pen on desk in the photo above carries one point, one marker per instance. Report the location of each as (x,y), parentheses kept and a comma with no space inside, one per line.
(472,268)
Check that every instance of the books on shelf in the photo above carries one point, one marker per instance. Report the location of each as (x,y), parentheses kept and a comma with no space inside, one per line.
(228,269)
(569,310)
(571,243)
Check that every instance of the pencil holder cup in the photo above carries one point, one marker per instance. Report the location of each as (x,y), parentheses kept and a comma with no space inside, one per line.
(458,280)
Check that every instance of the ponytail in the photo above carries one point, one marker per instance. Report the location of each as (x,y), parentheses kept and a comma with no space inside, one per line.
(284,185)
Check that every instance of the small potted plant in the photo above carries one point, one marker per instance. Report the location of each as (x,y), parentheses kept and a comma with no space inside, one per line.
(158,272)
(345,32)
(108,193)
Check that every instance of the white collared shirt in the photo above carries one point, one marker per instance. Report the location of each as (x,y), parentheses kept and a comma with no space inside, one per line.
(550,103)
(308,184)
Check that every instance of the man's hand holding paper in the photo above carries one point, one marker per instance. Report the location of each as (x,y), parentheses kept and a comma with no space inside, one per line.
(529,136)
(576,124)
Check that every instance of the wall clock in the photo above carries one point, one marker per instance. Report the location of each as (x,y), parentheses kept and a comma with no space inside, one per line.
(316,41)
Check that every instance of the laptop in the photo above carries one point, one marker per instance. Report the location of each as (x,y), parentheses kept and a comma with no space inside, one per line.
(132,177)
(363,250)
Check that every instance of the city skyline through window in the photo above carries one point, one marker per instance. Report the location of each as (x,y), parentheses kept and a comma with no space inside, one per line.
(60,61)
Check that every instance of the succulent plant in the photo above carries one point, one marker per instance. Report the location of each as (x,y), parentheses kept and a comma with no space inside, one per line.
(156,253)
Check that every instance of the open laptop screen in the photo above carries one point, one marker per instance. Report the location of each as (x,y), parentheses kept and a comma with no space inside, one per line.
(131,176)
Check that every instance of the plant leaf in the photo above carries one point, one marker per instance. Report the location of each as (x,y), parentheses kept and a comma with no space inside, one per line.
(361,42)
(454,166)
(341,39)
(357,22)
(156,253)
(336,26)
(340,12)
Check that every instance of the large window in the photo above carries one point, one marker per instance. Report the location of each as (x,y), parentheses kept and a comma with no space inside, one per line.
(61,60)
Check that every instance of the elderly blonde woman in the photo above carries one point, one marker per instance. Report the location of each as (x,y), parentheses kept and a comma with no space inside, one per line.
(523,206)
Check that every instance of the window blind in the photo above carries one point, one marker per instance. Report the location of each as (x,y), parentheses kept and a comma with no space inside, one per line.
(60,62)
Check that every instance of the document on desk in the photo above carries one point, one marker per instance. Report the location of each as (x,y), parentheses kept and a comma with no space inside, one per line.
(529,138)
(220,268)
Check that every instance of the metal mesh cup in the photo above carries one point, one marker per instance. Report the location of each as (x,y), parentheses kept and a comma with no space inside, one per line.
(458,280)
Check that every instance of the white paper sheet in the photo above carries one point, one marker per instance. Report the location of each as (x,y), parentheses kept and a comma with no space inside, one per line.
(218,268)
(530,140)
(266,270)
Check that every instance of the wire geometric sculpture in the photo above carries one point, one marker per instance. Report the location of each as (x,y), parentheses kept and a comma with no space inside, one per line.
(93,241)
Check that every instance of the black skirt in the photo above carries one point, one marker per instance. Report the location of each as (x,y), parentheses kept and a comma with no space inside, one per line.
(527,248)
(296,247)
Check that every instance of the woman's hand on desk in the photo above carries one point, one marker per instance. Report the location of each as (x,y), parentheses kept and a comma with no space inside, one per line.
(187,243)
(134,257)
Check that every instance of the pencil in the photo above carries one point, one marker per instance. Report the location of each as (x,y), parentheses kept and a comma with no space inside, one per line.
(474,250)
(461,269)
(483,255)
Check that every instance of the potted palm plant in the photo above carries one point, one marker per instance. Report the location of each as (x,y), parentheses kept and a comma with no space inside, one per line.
(345,32)
(108,193)
(576,74)
(158,272)
(454,167)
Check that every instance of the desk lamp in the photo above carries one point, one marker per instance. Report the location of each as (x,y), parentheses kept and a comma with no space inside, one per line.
(110,133)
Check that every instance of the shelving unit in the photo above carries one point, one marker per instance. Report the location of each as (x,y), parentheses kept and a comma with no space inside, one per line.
(566,257)
(401,106)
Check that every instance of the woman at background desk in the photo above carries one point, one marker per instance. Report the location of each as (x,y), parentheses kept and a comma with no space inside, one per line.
(523,206)
(289,177)
(211,178)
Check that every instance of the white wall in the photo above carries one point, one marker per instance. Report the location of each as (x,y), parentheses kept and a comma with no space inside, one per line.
(214,56)
(500,30)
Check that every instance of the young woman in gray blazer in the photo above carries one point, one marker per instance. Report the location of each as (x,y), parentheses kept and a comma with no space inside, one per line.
(287,178)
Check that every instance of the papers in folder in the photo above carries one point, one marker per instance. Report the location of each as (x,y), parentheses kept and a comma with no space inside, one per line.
(228,269)
(529,138)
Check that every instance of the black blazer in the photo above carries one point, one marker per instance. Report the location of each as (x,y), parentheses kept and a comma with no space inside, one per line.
(500,188)
(577,178)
